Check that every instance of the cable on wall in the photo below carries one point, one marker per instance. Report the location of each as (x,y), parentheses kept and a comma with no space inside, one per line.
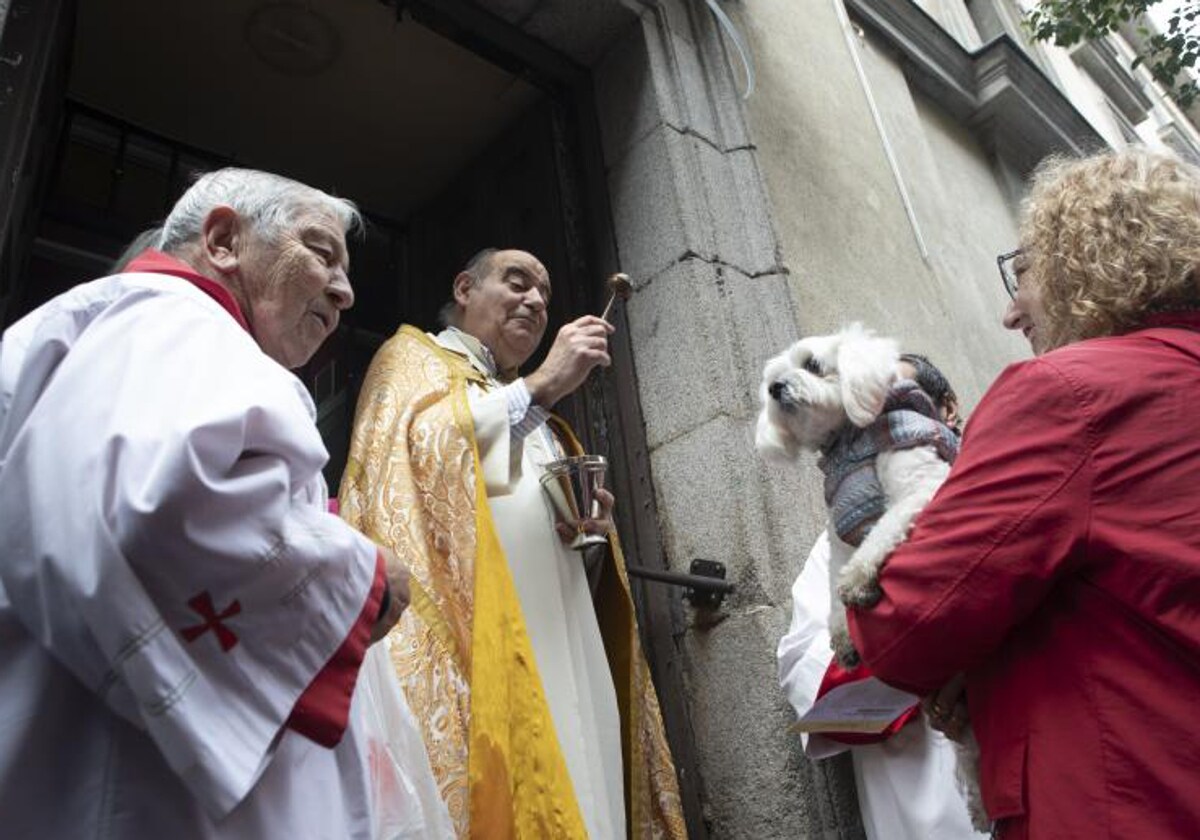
(738,42)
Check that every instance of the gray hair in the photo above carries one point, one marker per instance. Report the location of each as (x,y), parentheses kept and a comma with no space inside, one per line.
(148,238)
(270,202)
(477,267)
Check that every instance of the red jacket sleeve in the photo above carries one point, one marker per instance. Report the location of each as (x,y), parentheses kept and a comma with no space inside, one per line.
(983,554)
(323,710)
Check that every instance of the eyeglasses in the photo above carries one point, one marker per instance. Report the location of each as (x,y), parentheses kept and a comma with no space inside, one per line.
(1008,271)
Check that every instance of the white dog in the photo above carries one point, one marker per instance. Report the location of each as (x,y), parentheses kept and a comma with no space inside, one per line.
(824,394)
(814,395)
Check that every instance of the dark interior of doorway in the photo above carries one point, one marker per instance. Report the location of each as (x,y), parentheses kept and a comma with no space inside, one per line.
(90,159)
(110,177)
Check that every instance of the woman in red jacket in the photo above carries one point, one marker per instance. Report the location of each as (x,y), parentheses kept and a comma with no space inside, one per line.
(1059,565)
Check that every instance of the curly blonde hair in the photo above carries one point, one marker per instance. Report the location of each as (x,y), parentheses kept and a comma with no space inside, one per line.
(1109,239)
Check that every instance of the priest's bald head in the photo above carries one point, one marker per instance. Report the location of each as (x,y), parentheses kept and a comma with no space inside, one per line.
(277,245)
(500,297)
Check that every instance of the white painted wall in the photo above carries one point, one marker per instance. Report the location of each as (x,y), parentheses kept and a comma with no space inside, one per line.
(853,251)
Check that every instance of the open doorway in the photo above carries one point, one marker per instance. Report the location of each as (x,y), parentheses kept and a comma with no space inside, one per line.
(452,129)
(445,151)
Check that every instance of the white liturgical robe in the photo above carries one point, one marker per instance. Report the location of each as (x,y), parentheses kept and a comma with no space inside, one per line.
(556,602)
(171,581)
(906,786)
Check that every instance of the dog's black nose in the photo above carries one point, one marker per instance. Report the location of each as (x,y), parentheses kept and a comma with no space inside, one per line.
(775,389)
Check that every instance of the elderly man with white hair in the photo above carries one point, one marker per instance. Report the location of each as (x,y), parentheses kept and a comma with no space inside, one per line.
(182,622)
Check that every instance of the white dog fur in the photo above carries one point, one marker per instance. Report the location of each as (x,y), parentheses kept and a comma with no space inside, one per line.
(811,391)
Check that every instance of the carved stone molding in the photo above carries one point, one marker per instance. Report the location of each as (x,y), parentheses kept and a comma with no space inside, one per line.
(1100,60)
(998,90)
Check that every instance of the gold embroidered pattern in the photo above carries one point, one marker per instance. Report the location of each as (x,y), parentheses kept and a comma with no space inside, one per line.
(398,492)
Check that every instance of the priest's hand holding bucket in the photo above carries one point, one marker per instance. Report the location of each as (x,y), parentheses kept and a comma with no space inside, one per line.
(582,507)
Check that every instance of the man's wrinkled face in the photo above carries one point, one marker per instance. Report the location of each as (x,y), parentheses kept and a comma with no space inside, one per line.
(505,308)
(296,285)
(1025,312)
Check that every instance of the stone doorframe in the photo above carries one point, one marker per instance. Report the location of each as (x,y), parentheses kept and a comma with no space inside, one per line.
(686,215)
(692,225)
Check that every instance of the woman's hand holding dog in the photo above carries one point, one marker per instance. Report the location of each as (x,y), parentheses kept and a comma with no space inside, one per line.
(946,709)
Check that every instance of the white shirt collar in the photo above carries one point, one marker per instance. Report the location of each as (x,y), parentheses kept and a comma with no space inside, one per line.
(475,350)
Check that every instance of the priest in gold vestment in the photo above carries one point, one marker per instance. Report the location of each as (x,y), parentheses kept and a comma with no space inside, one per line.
(533,695)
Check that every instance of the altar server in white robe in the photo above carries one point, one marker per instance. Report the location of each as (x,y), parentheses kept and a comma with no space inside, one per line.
(906,783)
(181,620)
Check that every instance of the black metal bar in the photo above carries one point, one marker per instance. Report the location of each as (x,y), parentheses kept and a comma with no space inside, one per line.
(698,582)
(208,156)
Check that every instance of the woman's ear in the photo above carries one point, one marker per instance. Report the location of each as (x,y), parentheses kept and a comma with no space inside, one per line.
(866,368)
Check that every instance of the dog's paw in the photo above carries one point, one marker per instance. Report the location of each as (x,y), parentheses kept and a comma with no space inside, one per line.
(843,648)
(859,591)
(865,595)
(980,820)
(966,760)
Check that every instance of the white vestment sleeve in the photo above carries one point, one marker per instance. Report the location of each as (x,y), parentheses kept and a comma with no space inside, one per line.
(406,803)
(804,653)
(177,559)
(499,449)
(524,415)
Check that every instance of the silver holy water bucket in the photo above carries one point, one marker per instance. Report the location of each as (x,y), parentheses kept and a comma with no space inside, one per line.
(571,484)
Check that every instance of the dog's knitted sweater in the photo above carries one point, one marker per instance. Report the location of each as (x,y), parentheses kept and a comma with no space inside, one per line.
(853,492)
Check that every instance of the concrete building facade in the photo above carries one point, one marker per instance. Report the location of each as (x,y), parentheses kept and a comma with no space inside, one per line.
(874,174)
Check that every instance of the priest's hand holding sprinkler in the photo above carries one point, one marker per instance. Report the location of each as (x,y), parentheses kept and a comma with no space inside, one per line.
(575,485)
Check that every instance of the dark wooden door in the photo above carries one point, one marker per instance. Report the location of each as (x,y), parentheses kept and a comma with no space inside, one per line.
(34,61)
(517,194)
(530,190)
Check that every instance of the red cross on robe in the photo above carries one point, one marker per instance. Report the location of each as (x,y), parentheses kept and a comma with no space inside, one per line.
(202,604)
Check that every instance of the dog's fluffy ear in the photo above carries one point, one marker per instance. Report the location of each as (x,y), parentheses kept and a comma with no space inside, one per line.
(773,443)
(866,367)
